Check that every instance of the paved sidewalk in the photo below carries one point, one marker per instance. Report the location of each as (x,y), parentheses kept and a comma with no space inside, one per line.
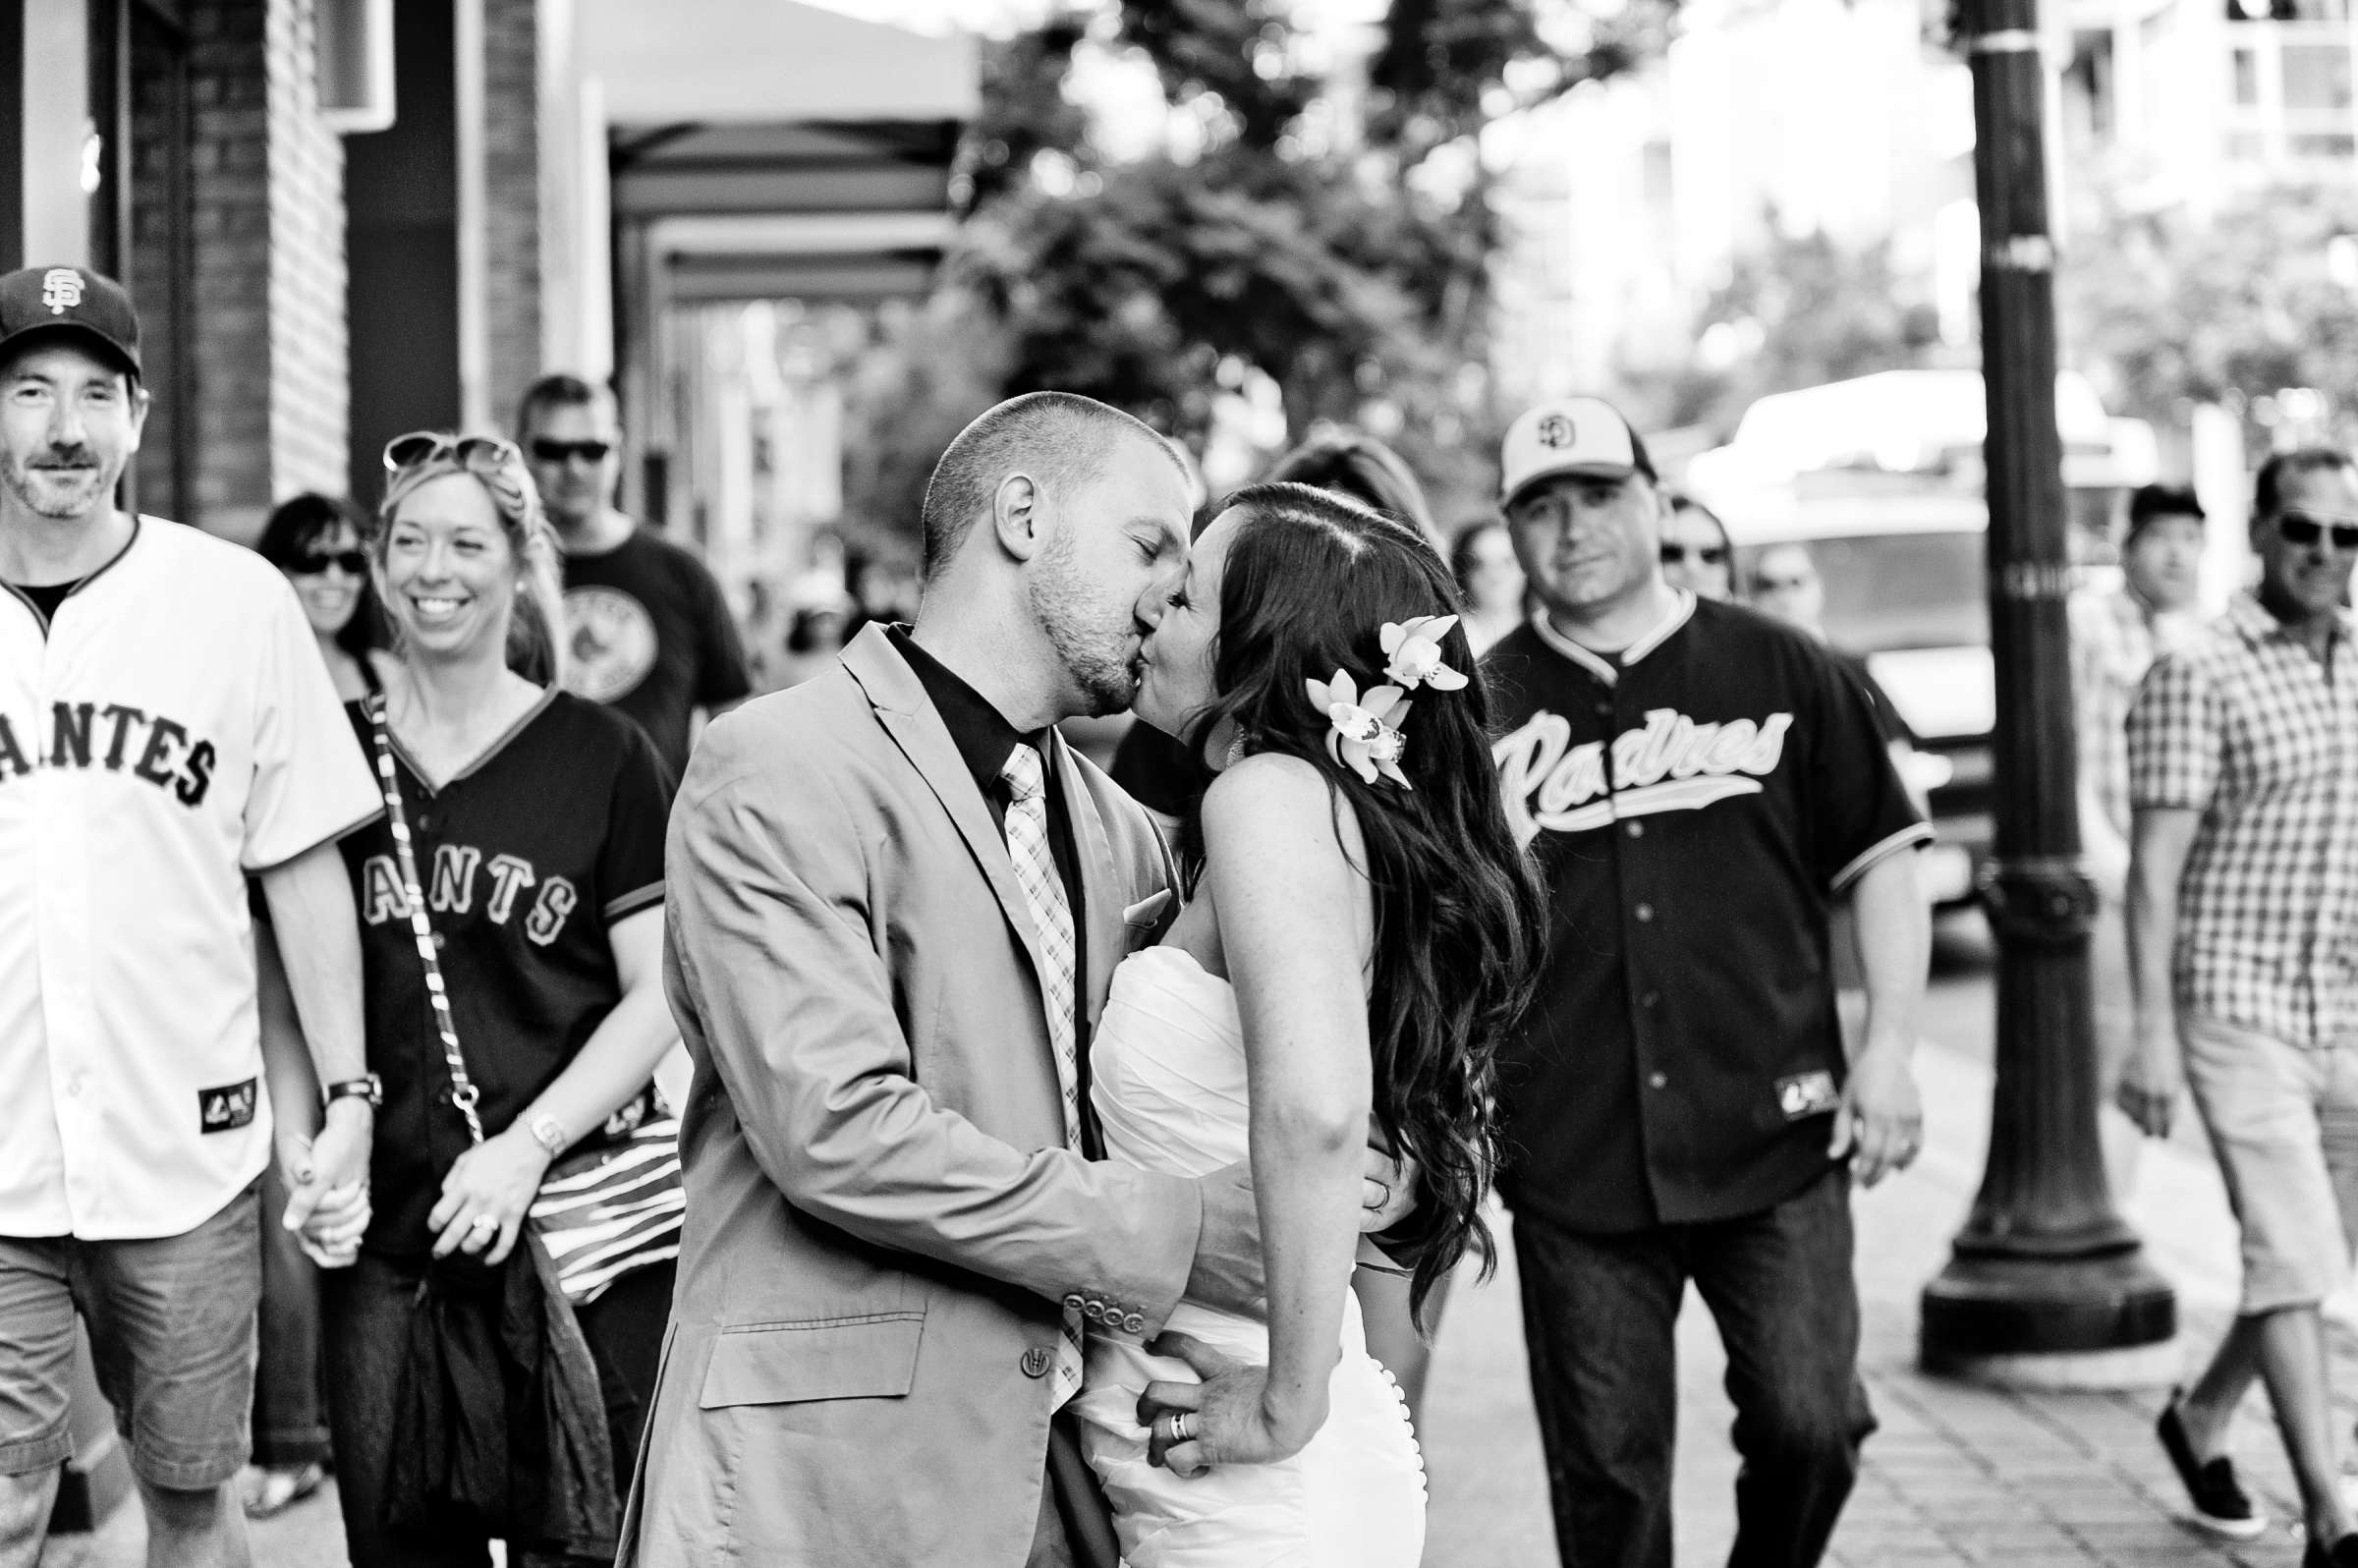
(1957,1475)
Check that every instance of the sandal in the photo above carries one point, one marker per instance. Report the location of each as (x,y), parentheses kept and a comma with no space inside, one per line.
(274,1488)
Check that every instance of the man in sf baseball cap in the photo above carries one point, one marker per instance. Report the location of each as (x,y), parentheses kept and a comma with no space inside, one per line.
(68,304)
(1582,437)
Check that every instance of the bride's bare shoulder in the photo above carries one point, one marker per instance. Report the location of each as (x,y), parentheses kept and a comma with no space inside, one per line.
(1272,809)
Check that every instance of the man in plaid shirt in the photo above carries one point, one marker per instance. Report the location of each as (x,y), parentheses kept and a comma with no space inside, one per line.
(2243,903)
(2116,632)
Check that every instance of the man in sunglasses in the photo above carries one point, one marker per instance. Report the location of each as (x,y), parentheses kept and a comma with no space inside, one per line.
(1698,785)
(167,730)
(648,629)
(2243,911)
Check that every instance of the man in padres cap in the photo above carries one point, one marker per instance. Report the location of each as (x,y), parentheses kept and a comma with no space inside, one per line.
(1698,784)
(167,730)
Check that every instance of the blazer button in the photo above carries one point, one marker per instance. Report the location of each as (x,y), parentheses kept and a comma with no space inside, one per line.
(1093,1311)
(1036,1363)
(1074,1302)
(1135,1324)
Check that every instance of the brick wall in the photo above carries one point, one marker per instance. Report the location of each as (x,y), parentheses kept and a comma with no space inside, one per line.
(512,201)
(266,333)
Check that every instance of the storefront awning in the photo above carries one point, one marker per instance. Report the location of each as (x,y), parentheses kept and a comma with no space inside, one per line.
(772,149)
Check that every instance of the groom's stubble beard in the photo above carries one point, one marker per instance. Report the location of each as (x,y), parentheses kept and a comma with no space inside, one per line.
(1097,660)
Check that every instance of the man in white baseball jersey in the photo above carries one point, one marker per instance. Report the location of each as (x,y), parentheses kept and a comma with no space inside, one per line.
(166,730)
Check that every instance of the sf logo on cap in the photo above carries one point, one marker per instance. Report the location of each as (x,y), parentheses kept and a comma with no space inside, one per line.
(1555,430)
(61,290)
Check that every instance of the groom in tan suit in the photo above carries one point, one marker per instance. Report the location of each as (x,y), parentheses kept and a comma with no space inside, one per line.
(896,899)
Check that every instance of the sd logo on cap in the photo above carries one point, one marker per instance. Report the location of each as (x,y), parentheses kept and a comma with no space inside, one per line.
(1581,437)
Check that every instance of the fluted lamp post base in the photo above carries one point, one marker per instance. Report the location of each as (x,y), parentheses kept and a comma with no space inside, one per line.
(2046,1286)
(2107,1321)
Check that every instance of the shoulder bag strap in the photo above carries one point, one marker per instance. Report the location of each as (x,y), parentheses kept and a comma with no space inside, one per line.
(463,1092)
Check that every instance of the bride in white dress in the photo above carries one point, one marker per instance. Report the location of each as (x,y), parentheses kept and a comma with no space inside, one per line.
(1360,930)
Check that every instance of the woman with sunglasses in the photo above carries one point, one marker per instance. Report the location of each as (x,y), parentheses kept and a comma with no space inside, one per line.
(512,916)
(315,540)
(1695,551)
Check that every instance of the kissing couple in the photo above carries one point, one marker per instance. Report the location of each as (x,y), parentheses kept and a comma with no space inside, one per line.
(1027,1160)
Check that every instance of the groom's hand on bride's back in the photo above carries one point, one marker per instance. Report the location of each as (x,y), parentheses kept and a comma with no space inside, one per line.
(1227,1268)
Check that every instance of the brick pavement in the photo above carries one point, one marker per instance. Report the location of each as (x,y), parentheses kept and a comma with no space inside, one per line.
(1957,1475)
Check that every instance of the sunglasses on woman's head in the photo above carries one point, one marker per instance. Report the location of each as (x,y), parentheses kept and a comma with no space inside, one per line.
(2305,527)
(1707,554)
(313,562)
(484,454)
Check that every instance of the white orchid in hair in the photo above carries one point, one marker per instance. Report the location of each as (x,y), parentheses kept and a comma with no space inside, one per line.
(1363,734)
(1413,650)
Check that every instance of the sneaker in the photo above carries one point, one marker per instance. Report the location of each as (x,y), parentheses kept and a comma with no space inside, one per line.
(2343,1553)
(2220,1505)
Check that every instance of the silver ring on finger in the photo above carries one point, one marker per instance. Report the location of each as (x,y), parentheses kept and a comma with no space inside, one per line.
(483,1223)
(1182,1427)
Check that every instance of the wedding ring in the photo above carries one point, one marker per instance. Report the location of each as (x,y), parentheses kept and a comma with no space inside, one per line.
(1182,1427)
(484,1222)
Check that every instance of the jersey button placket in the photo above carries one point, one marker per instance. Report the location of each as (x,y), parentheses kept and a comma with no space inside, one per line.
(69,1000)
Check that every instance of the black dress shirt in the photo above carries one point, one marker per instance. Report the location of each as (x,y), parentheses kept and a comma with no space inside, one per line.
(984,741)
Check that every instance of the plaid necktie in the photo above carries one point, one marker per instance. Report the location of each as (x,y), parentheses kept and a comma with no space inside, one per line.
(1052,919)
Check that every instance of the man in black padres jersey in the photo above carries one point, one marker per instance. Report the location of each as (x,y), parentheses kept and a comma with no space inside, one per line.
(1700,785)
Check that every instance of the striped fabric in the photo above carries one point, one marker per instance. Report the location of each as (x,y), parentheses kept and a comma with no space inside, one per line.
(1052,920)
(609,1210)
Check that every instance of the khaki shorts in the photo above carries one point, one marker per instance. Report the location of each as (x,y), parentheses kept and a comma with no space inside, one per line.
(171,1336)
(2283,1121)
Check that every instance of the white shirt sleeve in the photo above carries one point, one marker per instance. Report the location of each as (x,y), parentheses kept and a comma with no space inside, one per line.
(312,781)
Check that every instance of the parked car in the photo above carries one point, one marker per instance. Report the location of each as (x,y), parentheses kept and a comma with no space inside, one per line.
(1882,478)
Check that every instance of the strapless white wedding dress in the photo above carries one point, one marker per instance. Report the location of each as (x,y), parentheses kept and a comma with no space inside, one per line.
(1168,1084)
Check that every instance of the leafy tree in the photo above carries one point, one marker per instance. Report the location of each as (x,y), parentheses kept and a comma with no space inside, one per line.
(2162,310)
(1803,311)
(1347,261)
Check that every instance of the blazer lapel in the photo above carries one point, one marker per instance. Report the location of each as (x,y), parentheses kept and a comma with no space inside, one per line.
(1101,891)
(901,707)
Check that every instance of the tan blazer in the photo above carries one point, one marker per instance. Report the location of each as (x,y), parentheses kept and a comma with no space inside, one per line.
(882,1219)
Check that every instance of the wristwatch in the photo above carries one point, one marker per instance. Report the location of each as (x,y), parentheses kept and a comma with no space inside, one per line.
(549,1133)
(367,1086)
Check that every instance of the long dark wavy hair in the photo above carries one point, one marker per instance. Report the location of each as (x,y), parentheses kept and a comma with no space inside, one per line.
(1310,580)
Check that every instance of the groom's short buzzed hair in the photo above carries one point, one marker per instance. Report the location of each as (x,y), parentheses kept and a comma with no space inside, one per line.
(1058,437)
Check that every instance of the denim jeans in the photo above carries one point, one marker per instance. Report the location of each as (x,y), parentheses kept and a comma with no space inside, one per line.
(1599,1321)
(367,1308)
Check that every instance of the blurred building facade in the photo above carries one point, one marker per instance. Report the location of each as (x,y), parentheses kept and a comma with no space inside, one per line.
(343,219)
(1629,200)
(2192,102)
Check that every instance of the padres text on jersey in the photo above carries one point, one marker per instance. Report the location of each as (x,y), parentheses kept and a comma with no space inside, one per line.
(1671,764)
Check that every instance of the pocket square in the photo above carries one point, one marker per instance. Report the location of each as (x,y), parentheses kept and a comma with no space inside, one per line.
(1147,909)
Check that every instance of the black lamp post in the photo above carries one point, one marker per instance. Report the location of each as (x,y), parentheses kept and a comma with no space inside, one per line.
(2046,1282)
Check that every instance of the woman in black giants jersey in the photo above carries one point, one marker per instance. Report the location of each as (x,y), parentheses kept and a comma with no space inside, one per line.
(516,1017)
